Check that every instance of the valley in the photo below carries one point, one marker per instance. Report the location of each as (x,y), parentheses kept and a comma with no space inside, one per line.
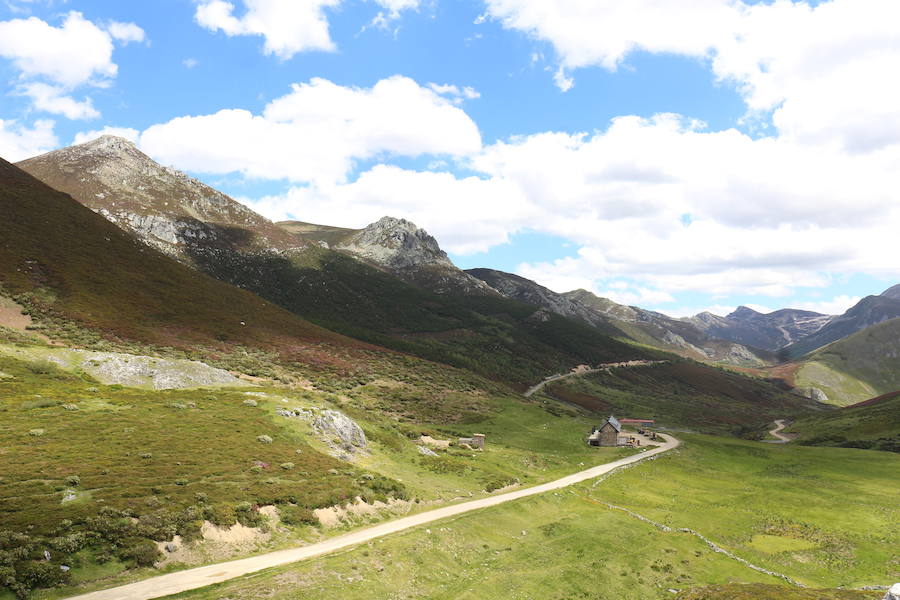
(301,399)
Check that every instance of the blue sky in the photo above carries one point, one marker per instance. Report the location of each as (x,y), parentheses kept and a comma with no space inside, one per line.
(678,158)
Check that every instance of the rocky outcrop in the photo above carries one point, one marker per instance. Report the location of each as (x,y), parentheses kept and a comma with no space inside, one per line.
(893,593)
(337,424)
(813,393)
(411,253)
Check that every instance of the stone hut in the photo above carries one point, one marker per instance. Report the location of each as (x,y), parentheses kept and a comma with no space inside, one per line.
(606,434)
(476,441)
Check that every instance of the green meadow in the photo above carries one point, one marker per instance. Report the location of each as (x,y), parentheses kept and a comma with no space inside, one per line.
(824,517)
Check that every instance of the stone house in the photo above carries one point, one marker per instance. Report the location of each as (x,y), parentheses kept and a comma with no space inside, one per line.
(606,434)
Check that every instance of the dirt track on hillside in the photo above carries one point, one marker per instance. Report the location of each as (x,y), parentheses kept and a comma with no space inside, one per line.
(190,579)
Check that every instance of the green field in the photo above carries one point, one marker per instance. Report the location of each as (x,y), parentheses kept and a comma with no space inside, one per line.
(822,516)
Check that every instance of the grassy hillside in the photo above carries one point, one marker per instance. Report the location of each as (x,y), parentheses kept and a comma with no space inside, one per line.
(873,424)
(684,395)
(62,260)
(830,531)
(494,336)
(860,366)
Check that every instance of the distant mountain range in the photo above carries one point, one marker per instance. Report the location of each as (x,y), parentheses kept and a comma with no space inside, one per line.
(390,283)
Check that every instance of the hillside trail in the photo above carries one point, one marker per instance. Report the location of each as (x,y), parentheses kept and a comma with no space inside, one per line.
(602,367)
(782,439)
(174,583)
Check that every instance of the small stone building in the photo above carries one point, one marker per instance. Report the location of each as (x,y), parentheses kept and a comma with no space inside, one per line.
(606,434)
(476,441)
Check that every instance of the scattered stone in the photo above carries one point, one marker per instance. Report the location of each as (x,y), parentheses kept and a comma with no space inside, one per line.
(69,496)
(36,432)
(171,547)
(426,451)
(334,423)
(287,466)
(893,593)
(70,406)
(250,402)
(265,439)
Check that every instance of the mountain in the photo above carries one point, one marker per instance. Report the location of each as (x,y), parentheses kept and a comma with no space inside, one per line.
(646,327)
(74,268)
(892,292)
(770,331)
(862,365)
(869,311)
(170,211)
(399,247)
(355,282)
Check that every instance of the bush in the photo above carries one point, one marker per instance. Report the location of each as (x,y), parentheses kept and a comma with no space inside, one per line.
(297,515)
(141,552)
(247,515)
(73,480)
(221,515)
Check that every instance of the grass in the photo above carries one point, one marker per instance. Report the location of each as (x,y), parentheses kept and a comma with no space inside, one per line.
(873,424)
(685,395)
(841,388)
(842,504)
(568,544)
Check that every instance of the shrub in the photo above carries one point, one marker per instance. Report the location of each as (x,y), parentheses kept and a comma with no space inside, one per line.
(247,515)
(265,439)
(73,480)
(297,515)
(141,552)
(221,515)
(256,469)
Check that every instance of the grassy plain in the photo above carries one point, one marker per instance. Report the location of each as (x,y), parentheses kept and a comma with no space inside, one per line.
(822,516)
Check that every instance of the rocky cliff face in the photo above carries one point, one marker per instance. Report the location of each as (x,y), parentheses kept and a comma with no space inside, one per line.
(869,311)
(165,208)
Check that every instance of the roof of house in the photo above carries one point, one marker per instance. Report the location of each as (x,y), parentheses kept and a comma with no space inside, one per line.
(614,422)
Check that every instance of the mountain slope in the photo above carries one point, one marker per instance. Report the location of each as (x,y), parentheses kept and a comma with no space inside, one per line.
(66,260)
(873,424)
(860,365)
(170,211)
(646,327)
(869,311)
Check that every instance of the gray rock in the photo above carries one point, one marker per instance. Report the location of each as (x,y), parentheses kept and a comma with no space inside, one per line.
(426,451)
(893,593)
(332,423)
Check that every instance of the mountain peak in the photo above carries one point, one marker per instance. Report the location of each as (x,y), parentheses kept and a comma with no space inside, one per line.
(743,312)
(892,292)
(396,244)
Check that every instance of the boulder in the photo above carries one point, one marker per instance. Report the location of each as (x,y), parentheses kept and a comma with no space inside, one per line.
(332,423)
(893,593)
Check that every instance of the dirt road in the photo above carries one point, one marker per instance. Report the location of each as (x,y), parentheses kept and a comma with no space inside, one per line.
(782,439)
(603,367)
(190,579)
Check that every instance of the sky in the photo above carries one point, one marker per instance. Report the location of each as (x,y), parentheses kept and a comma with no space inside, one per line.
(679,156)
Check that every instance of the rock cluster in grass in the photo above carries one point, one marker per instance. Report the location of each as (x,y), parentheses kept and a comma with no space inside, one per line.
(893,593)
(336,423)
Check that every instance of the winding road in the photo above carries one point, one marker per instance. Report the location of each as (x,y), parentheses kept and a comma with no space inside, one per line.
(782,439)
(190,579)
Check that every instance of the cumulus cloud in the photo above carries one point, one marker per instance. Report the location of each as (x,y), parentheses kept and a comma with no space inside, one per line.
(317,131)
(52,99)
(288,26)
(18,142)
(54,61)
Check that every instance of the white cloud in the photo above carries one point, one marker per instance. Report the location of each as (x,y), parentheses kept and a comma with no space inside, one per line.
(190,63)
(125,32)
(288,26)
(76,53)
(52,99)
(18,142)
(455,93)
(317,131)
(54,61)
(823,69)
(124,132)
